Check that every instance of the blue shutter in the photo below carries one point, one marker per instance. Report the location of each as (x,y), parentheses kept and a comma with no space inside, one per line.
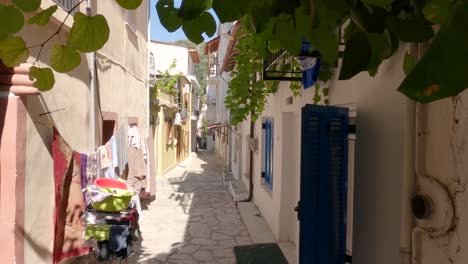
(267,173)
(322,208)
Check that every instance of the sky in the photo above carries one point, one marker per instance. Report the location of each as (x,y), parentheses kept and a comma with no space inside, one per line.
(158,32)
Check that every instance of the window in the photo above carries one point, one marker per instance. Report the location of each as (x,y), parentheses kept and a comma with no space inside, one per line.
(66,4)
(108,126)
(267,152)
(130,19)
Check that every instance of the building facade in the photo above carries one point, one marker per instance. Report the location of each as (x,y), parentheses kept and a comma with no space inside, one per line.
(405,193)
(218,117)
(175,115)
(106,93)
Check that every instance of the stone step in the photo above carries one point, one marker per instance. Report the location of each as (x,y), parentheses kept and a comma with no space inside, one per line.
(227,177)
(238,190)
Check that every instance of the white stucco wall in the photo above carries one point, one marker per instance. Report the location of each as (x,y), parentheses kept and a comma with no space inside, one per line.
(164,55)
(382,160)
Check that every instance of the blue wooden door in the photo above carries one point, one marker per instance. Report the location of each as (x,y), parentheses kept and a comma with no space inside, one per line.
(323,191)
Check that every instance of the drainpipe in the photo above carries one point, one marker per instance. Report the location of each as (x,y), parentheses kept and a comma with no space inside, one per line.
(92,89)
(422,193)
(407,221)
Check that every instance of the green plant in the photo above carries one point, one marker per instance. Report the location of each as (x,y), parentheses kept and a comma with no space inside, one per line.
(88,34)
(167,81)
(373,31)
(247,94)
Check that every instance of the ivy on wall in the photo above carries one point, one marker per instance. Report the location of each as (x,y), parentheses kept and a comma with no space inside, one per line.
(166,81)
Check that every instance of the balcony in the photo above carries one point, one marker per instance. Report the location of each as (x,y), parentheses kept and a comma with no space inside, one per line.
(66,4)
(214,70)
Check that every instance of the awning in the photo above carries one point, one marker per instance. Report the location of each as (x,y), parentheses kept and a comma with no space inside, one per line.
(217,127)
(163,103)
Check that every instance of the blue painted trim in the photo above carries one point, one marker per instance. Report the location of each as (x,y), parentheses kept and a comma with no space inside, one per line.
(323,192)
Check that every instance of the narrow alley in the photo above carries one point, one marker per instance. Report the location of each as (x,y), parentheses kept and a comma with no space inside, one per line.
(193,219)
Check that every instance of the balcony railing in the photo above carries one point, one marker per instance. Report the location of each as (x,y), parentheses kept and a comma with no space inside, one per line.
(214,70)
(66,4)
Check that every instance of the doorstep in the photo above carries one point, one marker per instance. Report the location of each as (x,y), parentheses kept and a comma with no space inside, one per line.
(260,232)
(238,190)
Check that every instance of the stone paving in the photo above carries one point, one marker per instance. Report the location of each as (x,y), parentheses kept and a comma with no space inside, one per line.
(193,219)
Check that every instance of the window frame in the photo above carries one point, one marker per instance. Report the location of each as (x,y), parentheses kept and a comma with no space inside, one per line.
(130,19)
(267,169)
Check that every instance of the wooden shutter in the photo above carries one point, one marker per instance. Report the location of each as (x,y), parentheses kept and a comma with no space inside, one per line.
(322,207)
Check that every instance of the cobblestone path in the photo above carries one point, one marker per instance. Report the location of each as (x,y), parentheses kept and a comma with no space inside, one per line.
(193,220)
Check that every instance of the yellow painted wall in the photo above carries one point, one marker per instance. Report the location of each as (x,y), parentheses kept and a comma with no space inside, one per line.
(167,153)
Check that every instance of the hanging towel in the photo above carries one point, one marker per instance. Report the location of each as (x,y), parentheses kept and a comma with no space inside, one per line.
(69,201)
(84,159)
(92,167)
(122,147)
(105,162)
(136,166)
(118,235)
(115,157)
(134,137)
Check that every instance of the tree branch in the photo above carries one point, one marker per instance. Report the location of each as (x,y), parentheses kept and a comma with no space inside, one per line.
(56,33)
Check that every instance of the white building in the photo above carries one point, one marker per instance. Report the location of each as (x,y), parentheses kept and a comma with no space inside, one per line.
(218,117)
(403,154)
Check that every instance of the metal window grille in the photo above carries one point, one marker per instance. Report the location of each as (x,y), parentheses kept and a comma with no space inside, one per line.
(268,146)
(66,4)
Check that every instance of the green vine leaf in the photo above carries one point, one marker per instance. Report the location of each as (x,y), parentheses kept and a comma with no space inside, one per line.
(408,63)
(11,20)
(381,3)
(43,17)
(13,51)
(194,29)
(167,14)
(44,78)
(327,43)
(129,4)
(437,11)
(64,58)
(88,33)
(371,22)
(380,47)
(357,55)
(191,9)
(274,45)
(288,37)
(441,72)
(410,30)
(27,5)
(230,10)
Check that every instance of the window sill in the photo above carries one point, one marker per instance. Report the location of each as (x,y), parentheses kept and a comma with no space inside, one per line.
(131,28)
(267,188)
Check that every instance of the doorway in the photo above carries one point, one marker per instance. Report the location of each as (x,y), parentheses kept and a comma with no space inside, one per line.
(322,207)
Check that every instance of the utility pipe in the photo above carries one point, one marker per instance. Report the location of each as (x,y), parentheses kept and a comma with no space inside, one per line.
(92,89)
(412,230)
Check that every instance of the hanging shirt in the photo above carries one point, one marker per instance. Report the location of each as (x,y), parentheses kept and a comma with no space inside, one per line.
(134,137)
(104,157)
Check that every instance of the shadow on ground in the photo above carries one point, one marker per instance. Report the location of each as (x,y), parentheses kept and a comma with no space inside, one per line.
(193,220)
